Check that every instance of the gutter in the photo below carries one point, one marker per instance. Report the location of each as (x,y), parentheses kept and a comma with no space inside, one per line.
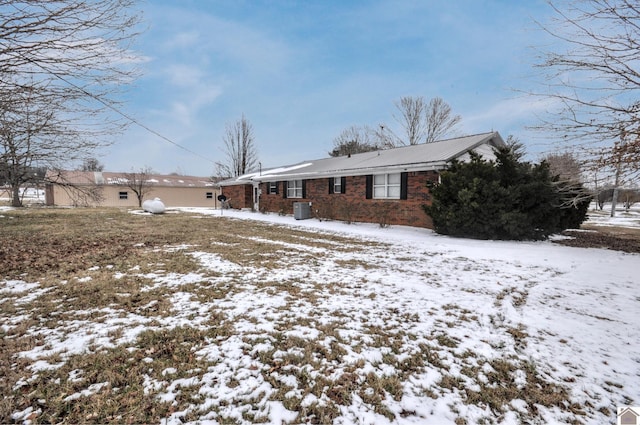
(441,165)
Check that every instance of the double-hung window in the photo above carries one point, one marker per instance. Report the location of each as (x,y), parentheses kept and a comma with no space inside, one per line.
(272,187)
(386,186)
(123,195)
(294,189)
(337,185)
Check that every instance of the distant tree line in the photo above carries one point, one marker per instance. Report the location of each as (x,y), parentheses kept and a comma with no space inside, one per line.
(628,197)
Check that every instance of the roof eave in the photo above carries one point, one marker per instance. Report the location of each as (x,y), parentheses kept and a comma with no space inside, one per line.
(296,172)
(433,166)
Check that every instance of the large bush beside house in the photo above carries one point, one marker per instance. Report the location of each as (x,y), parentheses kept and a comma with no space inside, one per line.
(506,199)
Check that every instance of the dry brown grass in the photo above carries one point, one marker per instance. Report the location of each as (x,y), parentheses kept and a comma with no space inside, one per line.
(98,266)
(122,373)
(503,385)
(58,243)
(95,260)
(625,232)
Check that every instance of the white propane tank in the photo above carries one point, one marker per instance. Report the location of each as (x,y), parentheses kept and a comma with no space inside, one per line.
(155,206)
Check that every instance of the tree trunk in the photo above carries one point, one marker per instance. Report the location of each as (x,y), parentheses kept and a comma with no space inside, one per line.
(15,198)
(614,201)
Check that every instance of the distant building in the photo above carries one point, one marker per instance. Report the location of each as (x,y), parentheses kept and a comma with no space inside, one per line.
(390,185)
(88,188)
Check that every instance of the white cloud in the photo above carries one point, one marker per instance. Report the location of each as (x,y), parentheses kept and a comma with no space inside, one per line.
(188,91)
(205,95)
(185,107)
(508,113)
(184,75)
(214,40)
(182,40)
(180,112)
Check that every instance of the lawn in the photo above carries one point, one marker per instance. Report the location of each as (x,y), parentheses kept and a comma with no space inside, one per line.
(190,316)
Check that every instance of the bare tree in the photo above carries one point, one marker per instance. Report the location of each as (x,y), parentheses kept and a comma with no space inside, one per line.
(412,118)
(629,197)
(240,151)
(622,161)
(420,122)
(567,172)
(92,164)
(384,137)
(353,140)
(85,41)
(565,166)
(24,125)
(440,120)
(140,183)
(62,66)
(602,195)
(594,78)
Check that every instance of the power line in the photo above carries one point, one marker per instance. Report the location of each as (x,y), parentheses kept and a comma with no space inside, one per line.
(118,111)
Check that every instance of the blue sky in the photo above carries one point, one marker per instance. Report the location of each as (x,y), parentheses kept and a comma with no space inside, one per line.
(303,71)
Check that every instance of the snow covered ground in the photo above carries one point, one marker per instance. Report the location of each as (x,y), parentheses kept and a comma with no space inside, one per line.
(28,195)
(414,327)
(622,218)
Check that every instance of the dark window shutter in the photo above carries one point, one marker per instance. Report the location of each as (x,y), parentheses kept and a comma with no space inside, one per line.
(330,185)
(369,187)
(404,178)
(343,184)
(276,188)
(268,188)
(284,189)
(304,189)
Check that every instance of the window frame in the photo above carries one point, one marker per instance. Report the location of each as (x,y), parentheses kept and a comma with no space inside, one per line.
(295,189)
(123,195)
(387,186)
(337,185)
(209,195)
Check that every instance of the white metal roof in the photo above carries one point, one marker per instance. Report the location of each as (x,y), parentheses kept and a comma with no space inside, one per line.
(108,178)
(422,157)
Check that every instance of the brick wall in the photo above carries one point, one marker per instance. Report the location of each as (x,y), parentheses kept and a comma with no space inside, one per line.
(239,196)
(353,205)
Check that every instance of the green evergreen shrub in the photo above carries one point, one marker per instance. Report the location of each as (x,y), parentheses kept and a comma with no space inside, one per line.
(506,199)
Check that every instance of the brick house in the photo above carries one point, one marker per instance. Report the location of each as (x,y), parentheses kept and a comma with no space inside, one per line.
(387,186)
(88,188)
